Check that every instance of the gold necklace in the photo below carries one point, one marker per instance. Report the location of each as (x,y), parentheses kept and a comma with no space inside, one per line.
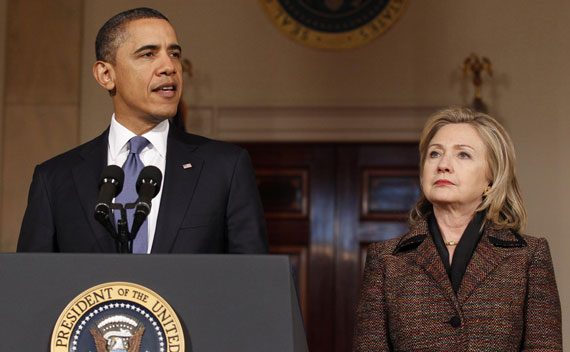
(448,243)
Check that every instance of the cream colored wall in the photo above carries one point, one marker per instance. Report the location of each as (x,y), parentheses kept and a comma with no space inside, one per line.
(41,97)
(242,61)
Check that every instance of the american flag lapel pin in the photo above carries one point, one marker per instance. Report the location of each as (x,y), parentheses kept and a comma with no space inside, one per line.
(186,166)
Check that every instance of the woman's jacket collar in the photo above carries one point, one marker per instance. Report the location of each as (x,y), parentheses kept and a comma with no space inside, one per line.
(503,238)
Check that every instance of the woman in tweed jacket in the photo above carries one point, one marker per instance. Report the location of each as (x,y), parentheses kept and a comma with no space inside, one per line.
(463,278)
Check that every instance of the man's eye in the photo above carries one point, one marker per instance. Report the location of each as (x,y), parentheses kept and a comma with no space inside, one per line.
(147,54)
(175,54)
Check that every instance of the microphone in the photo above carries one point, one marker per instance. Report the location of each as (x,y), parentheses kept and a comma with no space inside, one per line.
(148,186)
(110,185)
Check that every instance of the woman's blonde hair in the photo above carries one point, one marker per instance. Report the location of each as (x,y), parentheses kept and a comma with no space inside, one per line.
(503,201)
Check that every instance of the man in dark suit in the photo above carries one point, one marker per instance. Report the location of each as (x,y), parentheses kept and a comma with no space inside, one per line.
(208,202)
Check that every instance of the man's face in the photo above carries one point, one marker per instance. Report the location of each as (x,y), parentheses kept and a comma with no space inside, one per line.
(147,73)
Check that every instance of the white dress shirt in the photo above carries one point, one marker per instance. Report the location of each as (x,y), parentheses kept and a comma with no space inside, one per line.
(153,154)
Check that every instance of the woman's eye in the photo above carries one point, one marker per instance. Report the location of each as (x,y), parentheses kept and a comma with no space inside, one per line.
(464,155)
(433,154)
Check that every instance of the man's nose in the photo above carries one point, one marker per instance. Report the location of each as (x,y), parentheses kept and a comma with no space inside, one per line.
(167,65)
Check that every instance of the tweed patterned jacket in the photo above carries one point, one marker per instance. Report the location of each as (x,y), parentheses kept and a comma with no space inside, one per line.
(507,301)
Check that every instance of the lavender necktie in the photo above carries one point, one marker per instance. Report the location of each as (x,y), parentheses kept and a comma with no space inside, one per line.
(132,168)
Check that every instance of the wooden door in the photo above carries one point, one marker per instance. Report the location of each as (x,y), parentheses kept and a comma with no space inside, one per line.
(324,203)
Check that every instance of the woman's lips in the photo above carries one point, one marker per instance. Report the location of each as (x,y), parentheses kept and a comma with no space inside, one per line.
(443,183)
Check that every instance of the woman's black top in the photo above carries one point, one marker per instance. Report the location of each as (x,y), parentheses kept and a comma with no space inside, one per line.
(463,251)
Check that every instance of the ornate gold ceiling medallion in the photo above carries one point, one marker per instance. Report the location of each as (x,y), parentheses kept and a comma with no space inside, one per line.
(333,24)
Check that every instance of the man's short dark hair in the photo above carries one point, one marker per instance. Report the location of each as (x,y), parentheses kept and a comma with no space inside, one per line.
(108,37)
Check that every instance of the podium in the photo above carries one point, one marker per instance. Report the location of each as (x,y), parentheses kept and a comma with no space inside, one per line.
(224,302)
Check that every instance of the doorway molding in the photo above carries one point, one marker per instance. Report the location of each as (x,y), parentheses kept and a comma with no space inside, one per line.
(309,124)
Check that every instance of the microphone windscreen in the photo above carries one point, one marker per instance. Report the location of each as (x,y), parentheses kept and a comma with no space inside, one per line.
(152,175)
(113,172)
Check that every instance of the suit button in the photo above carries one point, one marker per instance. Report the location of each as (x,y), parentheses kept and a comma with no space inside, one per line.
(455,321)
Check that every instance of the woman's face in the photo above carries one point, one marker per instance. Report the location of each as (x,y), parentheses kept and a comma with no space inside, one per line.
(455,169)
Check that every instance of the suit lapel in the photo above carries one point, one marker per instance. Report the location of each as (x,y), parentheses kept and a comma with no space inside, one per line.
(427,257)
(178,188)
(86,179)
(484,260)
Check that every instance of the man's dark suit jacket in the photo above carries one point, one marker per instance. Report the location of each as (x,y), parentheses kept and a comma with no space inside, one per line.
(507,300)
(211,207)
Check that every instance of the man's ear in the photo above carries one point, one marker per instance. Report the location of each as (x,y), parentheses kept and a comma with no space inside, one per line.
(104,75)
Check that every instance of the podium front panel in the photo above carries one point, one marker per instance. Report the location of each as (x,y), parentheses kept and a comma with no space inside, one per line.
(224,302)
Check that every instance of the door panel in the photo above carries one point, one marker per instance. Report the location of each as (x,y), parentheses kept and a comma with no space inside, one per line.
(324,203)
(357,163)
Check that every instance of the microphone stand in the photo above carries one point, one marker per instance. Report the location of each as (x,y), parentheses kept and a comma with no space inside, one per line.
(147,186)
(123,238)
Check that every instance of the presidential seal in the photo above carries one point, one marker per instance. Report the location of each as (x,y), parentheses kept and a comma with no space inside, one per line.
(118,317)
(333,24)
